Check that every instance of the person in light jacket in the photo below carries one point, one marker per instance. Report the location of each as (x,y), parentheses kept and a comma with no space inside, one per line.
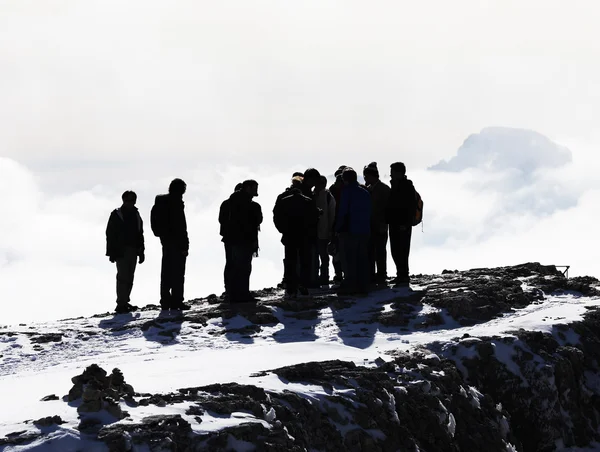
(327,204)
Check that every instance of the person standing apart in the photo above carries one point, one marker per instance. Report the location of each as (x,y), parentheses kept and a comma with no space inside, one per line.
(242,222)
(400,215)
(124,246)
(169,223)
(380,195)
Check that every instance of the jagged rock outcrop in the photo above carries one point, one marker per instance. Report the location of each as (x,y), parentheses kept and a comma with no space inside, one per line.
(549,383)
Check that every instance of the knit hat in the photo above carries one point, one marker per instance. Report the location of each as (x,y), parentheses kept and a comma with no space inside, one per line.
(371,169)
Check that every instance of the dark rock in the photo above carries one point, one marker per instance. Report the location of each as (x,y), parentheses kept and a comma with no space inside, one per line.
(49,398)
(48,421)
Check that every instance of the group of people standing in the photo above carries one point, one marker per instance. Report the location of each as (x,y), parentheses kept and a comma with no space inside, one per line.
(347,224)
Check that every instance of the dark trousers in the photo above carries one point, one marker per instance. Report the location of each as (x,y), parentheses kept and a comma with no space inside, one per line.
(125,273)
(172,275)
(297,266)
(324,261)
(400,248)
(355,261)
(241,268)
(228,267)
(378,256)
(311,265)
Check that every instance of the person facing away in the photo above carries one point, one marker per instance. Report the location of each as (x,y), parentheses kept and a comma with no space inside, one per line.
(336,190)
(169,223)
(311,179)
(400,214)
(297,179)
(292,215)
(354,226)
(223,215)
(124,246)
(326,203)
(380,194)
(241,225)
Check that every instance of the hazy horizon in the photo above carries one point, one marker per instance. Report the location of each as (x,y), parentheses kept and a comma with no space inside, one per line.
(492,106)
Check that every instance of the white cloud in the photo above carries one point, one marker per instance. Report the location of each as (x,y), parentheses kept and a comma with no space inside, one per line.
(52,245)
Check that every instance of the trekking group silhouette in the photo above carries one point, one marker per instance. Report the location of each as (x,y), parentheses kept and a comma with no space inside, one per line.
(347,224)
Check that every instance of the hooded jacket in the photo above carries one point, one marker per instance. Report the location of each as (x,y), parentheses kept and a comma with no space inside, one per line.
(124,228)
(326,203)
(293,216)
(354,215)
(176,233)
(240,220)
(380,195)
(402,204)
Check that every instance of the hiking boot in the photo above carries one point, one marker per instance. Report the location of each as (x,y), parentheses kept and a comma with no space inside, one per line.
(181,306)
(132,308)
(124,309)
(338,279)
(303,291)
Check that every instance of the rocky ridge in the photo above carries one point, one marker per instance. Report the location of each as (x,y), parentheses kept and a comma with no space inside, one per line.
(520,391)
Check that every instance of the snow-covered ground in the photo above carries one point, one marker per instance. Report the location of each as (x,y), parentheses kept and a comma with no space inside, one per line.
(177,354)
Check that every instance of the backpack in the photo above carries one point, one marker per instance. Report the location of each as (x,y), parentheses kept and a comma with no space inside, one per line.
(158,218)
(419,210)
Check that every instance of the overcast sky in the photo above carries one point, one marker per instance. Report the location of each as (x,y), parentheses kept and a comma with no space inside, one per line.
(102,96)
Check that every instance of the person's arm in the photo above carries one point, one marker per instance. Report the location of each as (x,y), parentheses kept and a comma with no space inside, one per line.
(331,213)
(110,236)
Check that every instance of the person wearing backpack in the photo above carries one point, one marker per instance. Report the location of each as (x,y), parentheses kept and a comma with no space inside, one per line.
(241,225)
(125,246)
(380,194)
(400,216)
(168,222)
(326,203)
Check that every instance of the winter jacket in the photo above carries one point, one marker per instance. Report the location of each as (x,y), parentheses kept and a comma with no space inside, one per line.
(402,204)
(293,216)
(176,234)
(240,220)
(125,228)
(354,215)
(380,195)
(326,202)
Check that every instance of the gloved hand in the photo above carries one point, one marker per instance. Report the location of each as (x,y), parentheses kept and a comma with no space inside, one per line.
(142,258)
(111,259)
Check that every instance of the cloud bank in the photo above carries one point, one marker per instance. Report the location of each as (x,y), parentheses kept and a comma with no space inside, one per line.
(52,244)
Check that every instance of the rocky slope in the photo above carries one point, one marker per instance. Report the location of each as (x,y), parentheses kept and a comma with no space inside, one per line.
(518,390)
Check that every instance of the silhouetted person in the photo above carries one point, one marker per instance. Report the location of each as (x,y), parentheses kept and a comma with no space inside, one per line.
(297,179)
(326,203)
(292,215)
(223,221)
(311,179)
(241,227)
(336,190)
(124,245)
(400,214)
(354,226)
(380,195)
(169,223)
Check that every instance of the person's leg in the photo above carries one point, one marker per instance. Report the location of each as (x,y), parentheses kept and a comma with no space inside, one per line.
(304,257)
(227,270)
(131,257)
(372,257)
(324,258)
(395,249)
(350,248)
(178,277)
(246,270)
(165,277)
(291,268)
(363,273)
(381,256)
(404,250)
